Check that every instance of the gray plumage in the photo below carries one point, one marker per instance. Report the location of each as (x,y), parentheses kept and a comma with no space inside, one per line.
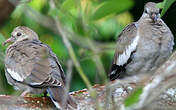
(143,45)
(31,66)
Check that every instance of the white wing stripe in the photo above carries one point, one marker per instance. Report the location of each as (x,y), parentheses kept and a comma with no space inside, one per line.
(14,75)
(123,58)
(34,83)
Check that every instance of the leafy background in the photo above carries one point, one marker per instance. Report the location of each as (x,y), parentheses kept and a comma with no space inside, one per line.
(96,22)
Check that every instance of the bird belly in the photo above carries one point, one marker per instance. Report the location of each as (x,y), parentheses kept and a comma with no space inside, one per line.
(22,86)
(144,58)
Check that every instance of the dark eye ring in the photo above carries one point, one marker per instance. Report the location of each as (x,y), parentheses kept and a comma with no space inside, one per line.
(18,34)
(145,11)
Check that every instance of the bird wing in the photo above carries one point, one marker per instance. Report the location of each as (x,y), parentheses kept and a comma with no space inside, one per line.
(168,38)
(32,64)
(126,45)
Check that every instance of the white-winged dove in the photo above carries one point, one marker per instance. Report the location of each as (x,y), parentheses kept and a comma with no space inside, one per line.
(143,45)
(31,66)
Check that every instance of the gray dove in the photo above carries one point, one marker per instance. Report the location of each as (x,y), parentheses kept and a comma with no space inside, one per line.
(31,66)
(143,45)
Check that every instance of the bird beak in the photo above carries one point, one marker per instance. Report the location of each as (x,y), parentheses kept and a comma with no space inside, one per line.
(154,17)
(9,40)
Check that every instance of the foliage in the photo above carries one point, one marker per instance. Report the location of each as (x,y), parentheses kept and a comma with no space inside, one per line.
(133,98)
(110,7)
(165,5)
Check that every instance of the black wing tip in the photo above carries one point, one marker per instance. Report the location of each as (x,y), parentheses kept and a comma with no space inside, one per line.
(116,72)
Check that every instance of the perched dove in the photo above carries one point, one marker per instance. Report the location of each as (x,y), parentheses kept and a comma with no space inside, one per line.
(143,45)
(31,66)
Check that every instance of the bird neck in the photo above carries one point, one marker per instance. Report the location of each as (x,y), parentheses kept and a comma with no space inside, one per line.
(23,41)
(145,19)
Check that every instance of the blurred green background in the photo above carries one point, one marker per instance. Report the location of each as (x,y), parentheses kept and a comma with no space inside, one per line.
(93,27)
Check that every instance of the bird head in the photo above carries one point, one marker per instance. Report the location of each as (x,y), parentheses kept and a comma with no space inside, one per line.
(21,33)
(151,11)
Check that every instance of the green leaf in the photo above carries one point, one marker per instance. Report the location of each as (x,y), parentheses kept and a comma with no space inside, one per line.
(165,5)
(67,4)
(37,4)
(160,5)
(108,29)
(110,7)
(133,98)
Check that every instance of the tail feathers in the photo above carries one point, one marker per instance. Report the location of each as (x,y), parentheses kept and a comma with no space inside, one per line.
(58,96)
(116,71)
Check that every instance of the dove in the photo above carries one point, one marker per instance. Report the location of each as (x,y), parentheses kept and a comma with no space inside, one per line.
(32,67)
(142,46)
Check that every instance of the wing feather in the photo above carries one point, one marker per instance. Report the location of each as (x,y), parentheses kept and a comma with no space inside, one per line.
(33,64)
(126,44)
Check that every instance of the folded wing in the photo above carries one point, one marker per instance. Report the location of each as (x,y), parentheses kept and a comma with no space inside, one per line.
(126,44)
(34,64)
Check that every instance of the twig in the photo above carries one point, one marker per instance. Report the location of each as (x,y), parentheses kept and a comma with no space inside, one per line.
(68,79)
(69,47)
(98,62)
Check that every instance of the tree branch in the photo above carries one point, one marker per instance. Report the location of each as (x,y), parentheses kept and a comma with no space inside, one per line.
(64,36)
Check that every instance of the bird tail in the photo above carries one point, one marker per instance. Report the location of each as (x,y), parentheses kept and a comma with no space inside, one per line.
(60,99)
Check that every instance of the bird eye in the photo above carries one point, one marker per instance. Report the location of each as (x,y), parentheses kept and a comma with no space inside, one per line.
(145,11)
(18,34)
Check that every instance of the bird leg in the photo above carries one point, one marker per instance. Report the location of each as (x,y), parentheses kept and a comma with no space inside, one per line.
(45,94)
(26,93)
